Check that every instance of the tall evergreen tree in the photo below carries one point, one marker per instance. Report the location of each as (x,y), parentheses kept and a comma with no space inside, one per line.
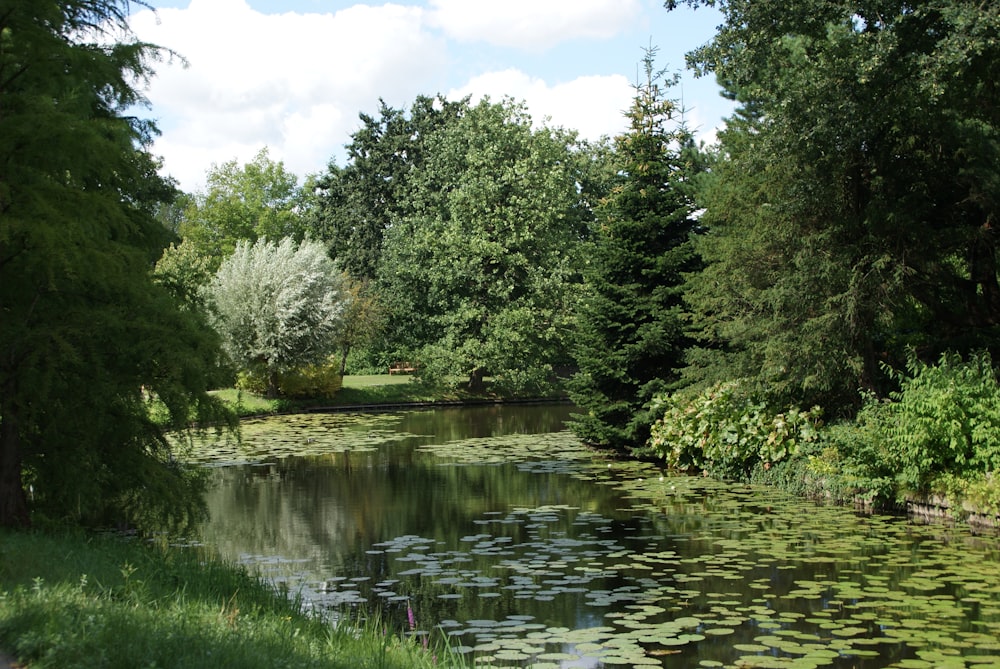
(632,326)
(854,213)
(85,334)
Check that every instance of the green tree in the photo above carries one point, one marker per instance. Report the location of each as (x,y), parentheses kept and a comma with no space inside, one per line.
(258,200)
(478,280)
(184,270)
(85,335)
(852,213)
(632,324)
(278,306)
(362,321)
(359,202)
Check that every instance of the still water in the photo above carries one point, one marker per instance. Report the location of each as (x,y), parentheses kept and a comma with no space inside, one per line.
(494,527)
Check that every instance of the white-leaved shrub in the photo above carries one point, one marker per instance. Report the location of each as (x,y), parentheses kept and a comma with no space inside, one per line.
(278,306)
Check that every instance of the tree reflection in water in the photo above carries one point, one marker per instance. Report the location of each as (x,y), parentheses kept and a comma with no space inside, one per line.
(492,525)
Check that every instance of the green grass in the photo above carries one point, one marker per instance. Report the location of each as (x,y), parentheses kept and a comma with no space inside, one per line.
(391,389)
(356,391)
(89,601)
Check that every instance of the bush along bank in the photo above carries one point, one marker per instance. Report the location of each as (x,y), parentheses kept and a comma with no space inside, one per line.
(932,446)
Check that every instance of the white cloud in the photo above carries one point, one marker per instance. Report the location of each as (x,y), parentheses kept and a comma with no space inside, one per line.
(295,82)
(593,105)
(292,82)
(532,24)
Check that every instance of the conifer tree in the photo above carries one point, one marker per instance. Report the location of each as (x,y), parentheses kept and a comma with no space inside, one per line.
(852,213)
(86,336)
(631,322)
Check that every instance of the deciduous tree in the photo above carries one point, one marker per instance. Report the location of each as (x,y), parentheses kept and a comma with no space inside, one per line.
(357,203)
(478,279)
(257,200)
(279,306)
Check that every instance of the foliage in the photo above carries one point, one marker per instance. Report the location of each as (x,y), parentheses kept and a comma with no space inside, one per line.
(944,419)
(723,431)
(969,493)
(358,203)
(315,381)
(86,336)
(258,200)
(478,280)
(631,324)
(87,601)
(363,319)
(278,306)
(851,212)
(854,465)
(184,270)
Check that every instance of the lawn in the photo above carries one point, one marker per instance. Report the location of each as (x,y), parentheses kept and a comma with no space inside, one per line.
(356,391)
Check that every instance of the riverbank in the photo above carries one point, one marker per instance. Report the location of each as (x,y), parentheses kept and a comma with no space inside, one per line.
(80,600)
(84,600)
(379,392)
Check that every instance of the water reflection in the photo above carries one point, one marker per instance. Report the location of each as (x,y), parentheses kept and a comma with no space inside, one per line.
(543,556)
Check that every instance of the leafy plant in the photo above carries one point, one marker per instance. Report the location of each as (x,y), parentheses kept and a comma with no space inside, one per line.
(945,418)
(318,381)
(725,432)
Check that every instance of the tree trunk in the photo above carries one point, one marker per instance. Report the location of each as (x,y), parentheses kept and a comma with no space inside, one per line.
(272,383)
(13,500)
(343,360)
(477,381)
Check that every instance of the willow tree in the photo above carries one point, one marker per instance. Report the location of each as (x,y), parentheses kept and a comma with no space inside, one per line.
(86,337)
(632,327)
(278,306)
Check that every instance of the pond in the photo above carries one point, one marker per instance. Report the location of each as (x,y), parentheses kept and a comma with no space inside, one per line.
(495,527)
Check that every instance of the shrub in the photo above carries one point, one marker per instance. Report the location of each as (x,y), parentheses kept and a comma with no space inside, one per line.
(321,381)
(945,419)
(726,432)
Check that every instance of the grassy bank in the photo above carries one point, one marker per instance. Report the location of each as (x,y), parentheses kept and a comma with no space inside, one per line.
(356,391)
(81,600)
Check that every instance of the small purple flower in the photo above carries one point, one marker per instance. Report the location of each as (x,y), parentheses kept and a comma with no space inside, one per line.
(410,617)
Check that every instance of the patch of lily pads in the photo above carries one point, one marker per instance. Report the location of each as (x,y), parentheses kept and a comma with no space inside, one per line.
(683,572)
(307,434)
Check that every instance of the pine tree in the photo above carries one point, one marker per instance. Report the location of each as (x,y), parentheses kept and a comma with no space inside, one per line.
(632,327)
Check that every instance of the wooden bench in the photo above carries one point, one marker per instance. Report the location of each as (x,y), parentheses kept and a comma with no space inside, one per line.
(402,368)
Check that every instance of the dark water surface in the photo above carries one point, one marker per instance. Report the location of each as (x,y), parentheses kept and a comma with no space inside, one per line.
(493,526)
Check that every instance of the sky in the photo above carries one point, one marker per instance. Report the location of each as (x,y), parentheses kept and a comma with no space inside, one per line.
(293,75)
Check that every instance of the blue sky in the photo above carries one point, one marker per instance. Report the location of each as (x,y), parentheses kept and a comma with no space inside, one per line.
(292,75)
